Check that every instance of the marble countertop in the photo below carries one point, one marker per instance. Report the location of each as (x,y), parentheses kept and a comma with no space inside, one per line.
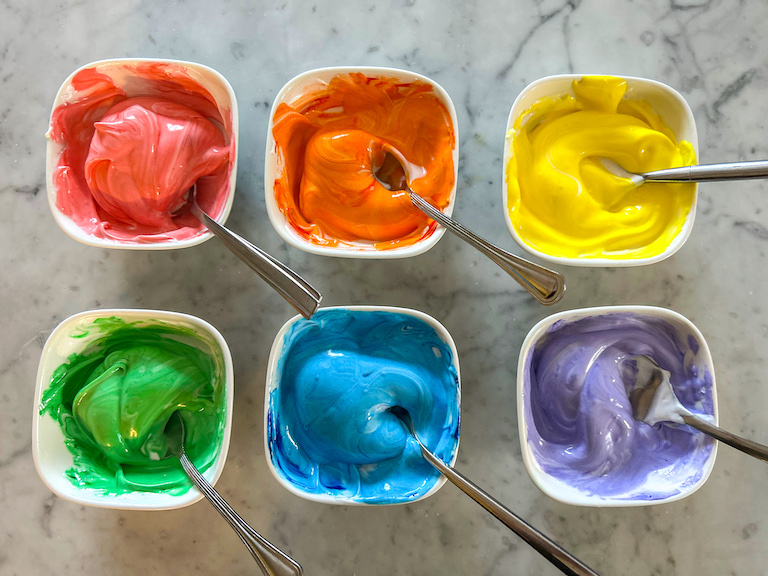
(483,53)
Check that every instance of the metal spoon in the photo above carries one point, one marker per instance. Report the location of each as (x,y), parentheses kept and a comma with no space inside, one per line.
(546,285)
(560,557)
(271,560)
(700,173)
(297,291)
(653,400)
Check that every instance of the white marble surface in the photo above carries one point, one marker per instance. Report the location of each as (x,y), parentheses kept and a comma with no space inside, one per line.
(483,53)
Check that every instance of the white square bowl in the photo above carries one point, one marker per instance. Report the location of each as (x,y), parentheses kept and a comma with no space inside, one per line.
(555,487)
(665,101)
(293,90)
(51,456)
(274,376)
(115,68)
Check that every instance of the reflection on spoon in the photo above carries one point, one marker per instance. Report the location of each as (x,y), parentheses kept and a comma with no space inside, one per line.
(700,173)
(653,400)
(297,291)
(271,560)
(560,557)
(547,286)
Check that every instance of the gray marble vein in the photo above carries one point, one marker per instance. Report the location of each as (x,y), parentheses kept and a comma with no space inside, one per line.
(483,52)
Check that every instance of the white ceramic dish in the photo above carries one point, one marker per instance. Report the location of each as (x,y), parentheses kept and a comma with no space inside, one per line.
(293,90)
(273,383)
(666,101)
(51,456)
(562,491)
(226,102)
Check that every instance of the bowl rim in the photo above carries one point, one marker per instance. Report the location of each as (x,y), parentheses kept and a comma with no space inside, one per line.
(273,383)
(71,229)
(686,114)
(91,496)
(542,479)
(278,219)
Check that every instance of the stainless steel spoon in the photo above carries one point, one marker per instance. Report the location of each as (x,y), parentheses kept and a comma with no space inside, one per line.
(653,400)
(297,291)
(700,173)
(546,285)
(560,557)
(271,560)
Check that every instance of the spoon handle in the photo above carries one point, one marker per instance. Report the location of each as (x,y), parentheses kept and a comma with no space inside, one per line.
(546,285)
(564,560)
(711,172)
(759,451)
(297,291)
(271,560)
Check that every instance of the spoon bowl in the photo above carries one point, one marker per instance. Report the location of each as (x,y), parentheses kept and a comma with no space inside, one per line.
(545,285)
(652,397)
(654,401)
